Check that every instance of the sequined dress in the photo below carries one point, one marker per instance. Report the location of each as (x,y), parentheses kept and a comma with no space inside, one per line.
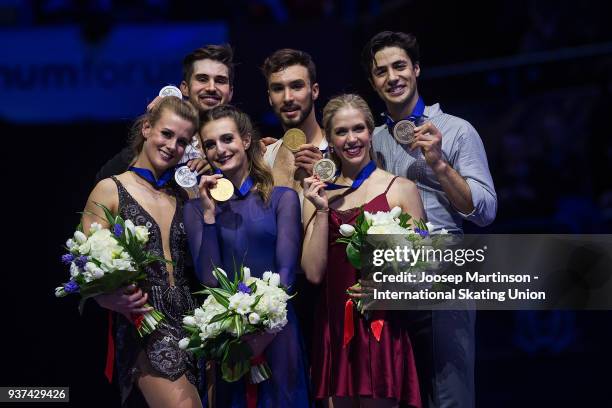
(174,301)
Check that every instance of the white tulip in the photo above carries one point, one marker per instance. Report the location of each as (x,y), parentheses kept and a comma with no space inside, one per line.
(79,237)
(274,280)
(183,343)
(347,230)
(70,244)
(97,273)
(266,276)
(59,291)
(129,226)
(189,321)
(396,211)
(247,272)
(74,270)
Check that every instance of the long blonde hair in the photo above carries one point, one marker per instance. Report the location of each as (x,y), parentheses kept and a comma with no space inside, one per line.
(334,106)
(258,169)
(183,109)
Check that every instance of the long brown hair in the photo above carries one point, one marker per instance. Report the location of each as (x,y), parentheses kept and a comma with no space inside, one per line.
(258,169)
(334,106)
(183,109)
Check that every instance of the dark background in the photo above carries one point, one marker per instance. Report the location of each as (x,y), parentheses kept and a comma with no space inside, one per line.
(533,77)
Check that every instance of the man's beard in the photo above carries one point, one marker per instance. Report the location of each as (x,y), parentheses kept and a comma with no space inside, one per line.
(297,122)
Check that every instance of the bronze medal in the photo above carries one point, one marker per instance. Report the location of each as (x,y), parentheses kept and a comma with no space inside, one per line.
(403,132)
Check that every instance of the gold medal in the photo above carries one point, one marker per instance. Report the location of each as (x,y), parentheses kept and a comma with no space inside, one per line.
(223,191)
(293,139)
(325,169)
(403,132)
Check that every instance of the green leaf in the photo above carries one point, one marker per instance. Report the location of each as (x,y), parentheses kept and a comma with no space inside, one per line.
(236,360)
(404,220)
(110,218)
(239,325)
(353,255)
(219,317)
(220,296)
(257,299)
(224,282)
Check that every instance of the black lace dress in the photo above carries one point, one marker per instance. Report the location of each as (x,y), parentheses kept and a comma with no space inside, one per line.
(174,301)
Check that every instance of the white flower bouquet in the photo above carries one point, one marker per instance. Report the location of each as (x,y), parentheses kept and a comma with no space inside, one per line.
(397,226)
(244,305)
(106,260)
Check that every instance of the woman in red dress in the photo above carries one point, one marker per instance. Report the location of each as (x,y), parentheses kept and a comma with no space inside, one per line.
(371,370)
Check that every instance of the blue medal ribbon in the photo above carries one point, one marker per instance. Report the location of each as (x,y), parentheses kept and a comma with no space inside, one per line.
(414,117)
(361,177)
(244,189)
(150,177)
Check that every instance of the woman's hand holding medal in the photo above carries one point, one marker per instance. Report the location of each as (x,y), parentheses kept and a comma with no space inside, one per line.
(314,191)
(208,204)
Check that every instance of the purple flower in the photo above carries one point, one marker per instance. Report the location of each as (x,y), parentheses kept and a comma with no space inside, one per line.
(242,287)
(118,230)
(421,232)
(81,261)
(71,287)
(67,258)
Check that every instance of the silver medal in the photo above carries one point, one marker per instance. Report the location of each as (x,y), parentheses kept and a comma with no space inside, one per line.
(403,132)
(325,169)
(185,177)
(170,90)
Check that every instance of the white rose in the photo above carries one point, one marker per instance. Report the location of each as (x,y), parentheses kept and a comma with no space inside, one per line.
(79,237)
(347,230)
(266,276)
(189,321)
(274,280)
(247,272)
(254,318)
(395,212)
(183,343)
(142,234)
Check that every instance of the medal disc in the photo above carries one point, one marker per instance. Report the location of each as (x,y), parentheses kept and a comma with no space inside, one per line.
(170,90)
(223,191)
(403,132)
(185,177)
(293,139)
(325,169)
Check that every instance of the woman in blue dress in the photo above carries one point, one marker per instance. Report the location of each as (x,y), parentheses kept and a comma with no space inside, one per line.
(258,227)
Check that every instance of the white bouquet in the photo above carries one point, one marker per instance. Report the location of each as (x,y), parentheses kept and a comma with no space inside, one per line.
(105,261)
(244,305)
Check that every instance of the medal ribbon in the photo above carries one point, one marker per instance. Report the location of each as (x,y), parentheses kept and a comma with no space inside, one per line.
(244,189)
(361,177)
(150,177)
(417,113)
